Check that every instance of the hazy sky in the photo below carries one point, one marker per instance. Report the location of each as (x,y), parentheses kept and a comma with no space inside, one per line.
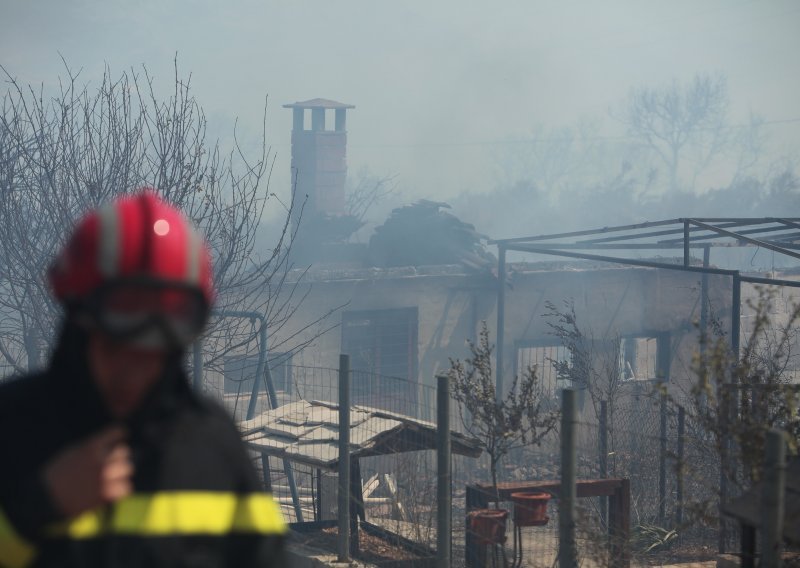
(435,84)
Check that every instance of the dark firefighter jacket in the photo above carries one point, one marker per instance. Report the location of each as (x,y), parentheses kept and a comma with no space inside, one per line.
(196,502)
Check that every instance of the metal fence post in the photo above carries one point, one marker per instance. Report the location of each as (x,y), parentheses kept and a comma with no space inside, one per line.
(567,551)
(662,461)
(501,321)
(344,459)
(728,411)
(772,509)
(444,477)
(262,370)
(603,450)
(679,484)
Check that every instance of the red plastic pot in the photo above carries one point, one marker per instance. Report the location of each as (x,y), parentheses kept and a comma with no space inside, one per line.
(530,509)
(488,525)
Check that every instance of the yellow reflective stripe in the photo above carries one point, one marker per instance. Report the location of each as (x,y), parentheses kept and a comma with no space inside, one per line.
(258,513)
(169,513)
(85,525)
(15,552)
(181,513)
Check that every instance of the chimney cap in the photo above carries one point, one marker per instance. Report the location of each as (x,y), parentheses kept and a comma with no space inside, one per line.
(319,103)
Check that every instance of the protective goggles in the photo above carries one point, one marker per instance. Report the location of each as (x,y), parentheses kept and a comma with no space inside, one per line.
(148,313)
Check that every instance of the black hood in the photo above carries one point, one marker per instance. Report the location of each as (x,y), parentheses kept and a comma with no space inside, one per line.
(81,400)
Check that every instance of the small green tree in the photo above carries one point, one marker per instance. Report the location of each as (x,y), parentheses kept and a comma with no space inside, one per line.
(501,423)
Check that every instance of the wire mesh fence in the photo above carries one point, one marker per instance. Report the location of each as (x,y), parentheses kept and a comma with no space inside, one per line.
(640,435)
(390,433)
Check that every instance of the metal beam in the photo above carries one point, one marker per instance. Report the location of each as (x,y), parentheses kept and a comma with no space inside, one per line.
(770,281)
(789,223)
(651,264)
(600,231)
(647,235)
(718,236)
(715,226)
(608,246)
(617,260)
(667,245)
(739,237)
(742,220)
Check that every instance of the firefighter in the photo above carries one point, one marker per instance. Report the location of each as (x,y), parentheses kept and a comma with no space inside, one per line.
(107,457)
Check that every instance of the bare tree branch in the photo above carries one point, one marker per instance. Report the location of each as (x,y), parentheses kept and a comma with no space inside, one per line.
(63,154)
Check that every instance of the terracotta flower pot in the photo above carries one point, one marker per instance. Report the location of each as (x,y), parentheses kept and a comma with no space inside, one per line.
(530,509)
(488,525)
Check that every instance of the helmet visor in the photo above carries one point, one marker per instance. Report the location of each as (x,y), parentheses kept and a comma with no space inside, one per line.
(159,314)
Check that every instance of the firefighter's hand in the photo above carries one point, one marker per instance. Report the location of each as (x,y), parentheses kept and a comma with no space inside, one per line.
(90,474)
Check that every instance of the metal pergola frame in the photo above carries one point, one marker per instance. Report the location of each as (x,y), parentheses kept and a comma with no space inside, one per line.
(780,235)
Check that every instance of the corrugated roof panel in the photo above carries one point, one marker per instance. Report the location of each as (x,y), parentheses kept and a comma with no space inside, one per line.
(287,430)
(269,443)
(318,415)
(370,429)
(313,439)
(389,414)
(321,452)
(273,415)
(321,434)
(299,417)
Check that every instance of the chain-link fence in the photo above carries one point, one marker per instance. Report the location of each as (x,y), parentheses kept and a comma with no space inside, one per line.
(641,435)
(392,435)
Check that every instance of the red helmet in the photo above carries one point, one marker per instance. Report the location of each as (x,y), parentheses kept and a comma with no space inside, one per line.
(136,266)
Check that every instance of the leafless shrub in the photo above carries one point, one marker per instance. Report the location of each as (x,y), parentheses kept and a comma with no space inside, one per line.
(62,153)
(501,423)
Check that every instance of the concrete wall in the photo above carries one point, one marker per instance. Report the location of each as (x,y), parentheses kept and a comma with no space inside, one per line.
(609,302)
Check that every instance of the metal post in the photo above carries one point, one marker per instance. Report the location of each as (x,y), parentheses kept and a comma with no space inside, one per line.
(727,410)
(262,359)
(736,315)
(772,499)
(705,305)
(501,321)
(679,484)
(686,252)
(662,463)
(344,459)
(265,468)
(567,551)
(197,365)
(263,370)
(444,478)
(356,494)
(704,291)
(603,456)
(747,542)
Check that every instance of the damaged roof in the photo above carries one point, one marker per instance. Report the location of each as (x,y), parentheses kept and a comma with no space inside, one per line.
(307,432)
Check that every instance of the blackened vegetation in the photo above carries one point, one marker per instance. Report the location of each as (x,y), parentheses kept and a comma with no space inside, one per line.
(422,234)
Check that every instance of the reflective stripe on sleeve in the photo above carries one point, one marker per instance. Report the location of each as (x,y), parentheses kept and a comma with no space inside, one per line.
(258,513)
(15,552)
(181,513)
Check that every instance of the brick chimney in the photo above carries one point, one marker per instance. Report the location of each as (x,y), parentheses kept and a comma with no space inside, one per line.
(319,165)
